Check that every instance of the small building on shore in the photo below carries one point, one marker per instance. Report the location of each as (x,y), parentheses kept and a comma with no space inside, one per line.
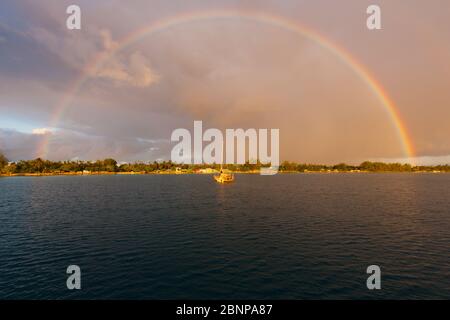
(207,171)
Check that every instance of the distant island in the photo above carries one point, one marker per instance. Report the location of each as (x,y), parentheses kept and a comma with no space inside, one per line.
(110,166)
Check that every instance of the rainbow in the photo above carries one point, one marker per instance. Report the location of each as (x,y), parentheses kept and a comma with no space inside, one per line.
(276,21)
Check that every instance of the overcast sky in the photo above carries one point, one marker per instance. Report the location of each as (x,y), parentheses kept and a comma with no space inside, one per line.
(229,73)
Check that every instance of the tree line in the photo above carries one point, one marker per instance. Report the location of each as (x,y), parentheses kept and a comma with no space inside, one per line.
(110,165)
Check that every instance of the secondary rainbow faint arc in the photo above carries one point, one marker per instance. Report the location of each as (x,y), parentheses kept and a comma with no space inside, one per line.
(273,20)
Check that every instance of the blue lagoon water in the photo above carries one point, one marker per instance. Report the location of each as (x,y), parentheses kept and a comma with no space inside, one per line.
(290,236)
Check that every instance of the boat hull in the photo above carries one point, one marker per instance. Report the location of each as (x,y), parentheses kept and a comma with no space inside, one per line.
(221,179)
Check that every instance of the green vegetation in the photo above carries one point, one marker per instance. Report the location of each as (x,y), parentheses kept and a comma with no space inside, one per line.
(3,161)
(366,166)
(40,166)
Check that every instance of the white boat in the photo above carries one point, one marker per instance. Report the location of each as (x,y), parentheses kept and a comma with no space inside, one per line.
(224,177)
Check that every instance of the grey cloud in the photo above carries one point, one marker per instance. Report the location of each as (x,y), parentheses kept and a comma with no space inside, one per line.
(229,73)
(74,145)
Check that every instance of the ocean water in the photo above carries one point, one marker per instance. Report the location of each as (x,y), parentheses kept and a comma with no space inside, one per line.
(291,236)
